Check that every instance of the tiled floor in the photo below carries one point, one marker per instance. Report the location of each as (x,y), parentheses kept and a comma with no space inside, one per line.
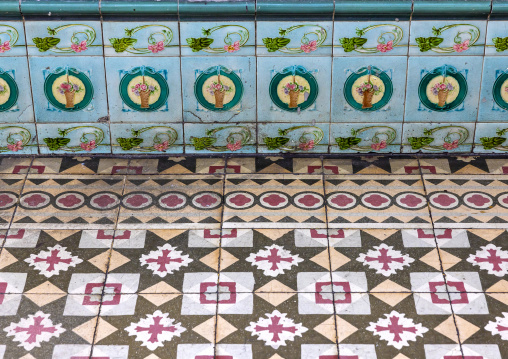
(267,258)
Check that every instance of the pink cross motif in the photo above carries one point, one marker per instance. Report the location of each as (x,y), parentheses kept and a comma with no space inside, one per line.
(163,260)
(155,329)
(385,259)
(273,258)
(396,329)
(501,328)
(35,329)
(53,259)
(275,328)
(493,259)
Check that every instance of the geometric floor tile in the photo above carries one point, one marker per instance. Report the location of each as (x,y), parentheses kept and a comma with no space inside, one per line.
(10,189)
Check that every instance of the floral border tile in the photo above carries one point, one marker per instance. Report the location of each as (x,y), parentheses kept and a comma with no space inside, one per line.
(437,137)
(149,139)
(217,138)
(18,139)
(12,38)
(16,69)
(497,38)
(365,137)
(293,137)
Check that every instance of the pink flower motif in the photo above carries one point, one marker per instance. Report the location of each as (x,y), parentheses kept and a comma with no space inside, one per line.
(376,200)
(234,146)
(88,146)
(342,200)
(65,86)
(444,200)
(308,200)
(206,200)
(161,147)
(240,200)
(69,201)
(232,48)
(378,146)
(172,201)
(34,200)
(462,46)
(274,200)
(16,147)
(143,87)
(309,47)
(451,145)
(79,47)
(104,201)
(5,200)
(306,146)
(411,200)
(137,200)
(6,46)
(478,200)
(385,47)
(157,47)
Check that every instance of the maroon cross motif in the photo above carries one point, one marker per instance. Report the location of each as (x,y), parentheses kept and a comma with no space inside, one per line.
(384,258)
(53,259)
(493,259)
(163,260)
(396,329)
(275,328)
(155,329)
(35,329)
(273,258)
(501,328)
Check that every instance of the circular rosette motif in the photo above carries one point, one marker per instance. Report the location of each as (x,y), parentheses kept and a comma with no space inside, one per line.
(206,200)
(308,200)
(274,200)
(500,91)
(104,201)
(144,89)
(376,200)
(218,89)
(368,90)
(240,200)
(410,200)
(137,200)
(172,201)
(444,200)
(342,200)
(293,89)
(35,200)
(70,200)
(68,89)
(502,200)
(7,200)
(478,200)
(8,91)
(442,89)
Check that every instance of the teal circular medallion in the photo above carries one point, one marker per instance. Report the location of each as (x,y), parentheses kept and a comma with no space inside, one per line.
(8,92)
(455,96)
(218,95)
(381,85)
(281,88)
(500,91)
(150,97)
(72,92)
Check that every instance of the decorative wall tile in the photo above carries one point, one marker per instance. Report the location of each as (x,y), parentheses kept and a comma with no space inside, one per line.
(491,137)
(440,37)
(18,139)
(437,137)
(153,138)
(148,38)
(15,91)
(235,100)
(497,41)
(73,138)
(56,101)
(217,38)
(294,90)
(355,38)
(494,91)
(275,38)
(293,137)
(365,137)
(214,138)
(457,101)
(353,75)
(159,102)
(64,38)
(12,38)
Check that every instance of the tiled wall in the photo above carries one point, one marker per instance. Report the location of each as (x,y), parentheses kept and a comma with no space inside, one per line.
(407,84)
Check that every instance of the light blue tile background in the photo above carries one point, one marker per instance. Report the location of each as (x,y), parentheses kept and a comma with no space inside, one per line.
(13,130)
(51,130)
(490,130)
(442,130)
(294,135)
(495,28)
(22,111)
(368,133)
(14,32)
(489,110)
(200,130)
(159,129)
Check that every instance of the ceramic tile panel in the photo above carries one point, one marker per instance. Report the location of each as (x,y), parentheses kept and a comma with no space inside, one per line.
(365,137)
(12,38)
(448,38)
(17,139)
(293,137)
(68,90)
(497,42)
(494,91)
(205,101)
(352,99)
(64,38)
(296,89)
(159,101)
(150,138)
(443,89)
(150,38)
(15,91)
(209,38)
(364,38)
(305,38)
(217,138)
(437,137)
(491,137)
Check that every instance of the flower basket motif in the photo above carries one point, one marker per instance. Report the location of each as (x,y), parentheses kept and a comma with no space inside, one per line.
(310,137)
(219,90)
(454,136)
(293,89)
(441,90)
(466,36)
(82,37)
(144,91)
(236,37)
(390,37)
(89,140)
(237,138)
(69,90)
(367,90)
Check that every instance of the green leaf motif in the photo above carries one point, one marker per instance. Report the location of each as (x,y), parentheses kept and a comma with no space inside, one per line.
(198,44)
(501,43)
(346,143)
(273,143)
(46,43)
(427,43)
(129,143)
(419,142)
(489,143)
(120,45)
(275,43)
(350,44)
(56,143)
(202,143)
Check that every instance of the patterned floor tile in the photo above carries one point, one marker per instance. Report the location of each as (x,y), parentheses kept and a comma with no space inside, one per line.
(15,165)
(275,165)
(380,202)
(371,165)
(79,165)
(10,189)
(276,201)
(191,165)
(479,201)
(470,165)
(49,201)
(171,202)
